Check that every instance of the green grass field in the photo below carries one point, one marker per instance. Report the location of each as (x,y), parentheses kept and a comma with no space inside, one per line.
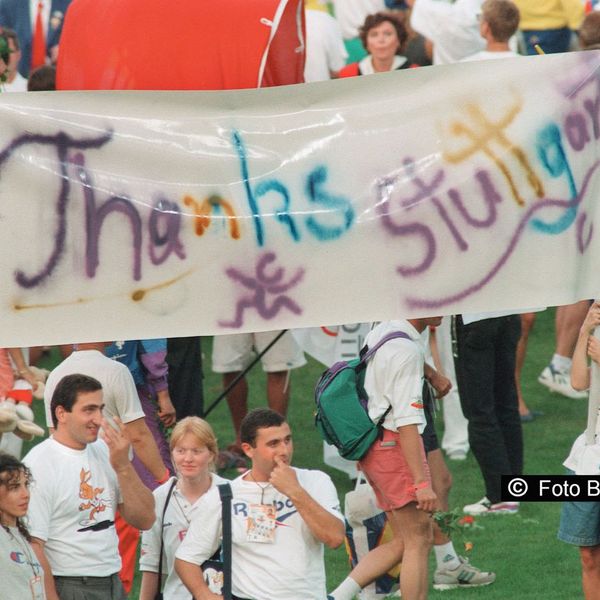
(522,549)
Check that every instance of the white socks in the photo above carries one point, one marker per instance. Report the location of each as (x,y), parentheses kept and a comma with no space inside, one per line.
(446,557)
(561,363)
(347,590)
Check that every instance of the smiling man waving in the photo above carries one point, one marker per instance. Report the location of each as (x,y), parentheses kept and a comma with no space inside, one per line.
(79,484)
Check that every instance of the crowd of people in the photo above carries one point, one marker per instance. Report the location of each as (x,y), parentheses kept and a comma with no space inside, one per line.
(72,509)
(86,500)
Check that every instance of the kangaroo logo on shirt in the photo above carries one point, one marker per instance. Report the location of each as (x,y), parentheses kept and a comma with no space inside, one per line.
(92,496)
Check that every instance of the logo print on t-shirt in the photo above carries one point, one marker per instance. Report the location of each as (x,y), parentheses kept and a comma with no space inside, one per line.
(17,557)
(92,496)
(285,517)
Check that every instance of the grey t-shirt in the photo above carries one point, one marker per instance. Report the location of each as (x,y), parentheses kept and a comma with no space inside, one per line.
(19,566)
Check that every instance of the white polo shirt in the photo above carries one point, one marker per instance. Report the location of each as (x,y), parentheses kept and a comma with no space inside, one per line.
(394,376)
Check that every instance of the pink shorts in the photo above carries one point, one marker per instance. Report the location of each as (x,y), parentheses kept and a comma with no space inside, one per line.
(387,471)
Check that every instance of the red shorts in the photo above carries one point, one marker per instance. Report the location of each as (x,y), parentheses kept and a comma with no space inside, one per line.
(387,471)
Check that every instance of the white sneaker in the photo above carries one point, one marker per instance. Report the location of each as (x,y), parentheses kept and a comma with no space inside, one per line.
(560,382)
(485,507)
(457,455)
(464,576)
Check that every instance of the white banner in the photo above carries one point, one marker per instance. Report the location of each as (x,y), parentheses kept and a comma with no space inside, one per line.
(471,187)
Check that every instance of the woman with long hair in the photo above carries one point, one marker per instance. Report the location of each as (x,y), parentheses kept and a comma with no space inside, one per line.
(22,575)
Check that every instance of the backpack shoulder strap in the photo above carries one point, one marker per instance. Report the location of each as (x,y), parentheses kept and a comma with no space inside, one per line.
(226,496)
(386,338)
(162,541)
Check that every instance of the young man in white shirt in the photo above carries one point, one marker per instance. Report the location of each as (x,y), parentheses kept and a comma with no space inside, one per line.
(80,483)
(498,23)
(396,465)
(281,519)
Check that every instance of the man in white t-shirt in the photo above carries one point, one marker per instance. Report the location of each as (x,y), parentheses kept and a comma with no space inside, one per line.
(281,519)
(120,400)
(498,23)
(395,465)
(79,484)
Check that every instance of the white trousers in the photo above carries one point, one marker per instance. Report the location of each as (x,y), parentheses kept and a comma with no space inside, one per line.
(456,436)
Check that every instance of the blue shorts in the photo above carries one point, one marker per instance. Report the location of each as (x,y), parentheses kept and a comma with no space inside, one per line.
(580,523)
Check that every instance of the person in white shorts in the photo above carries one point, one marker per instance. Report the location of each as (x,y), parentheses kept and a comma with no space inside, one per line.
(233,353)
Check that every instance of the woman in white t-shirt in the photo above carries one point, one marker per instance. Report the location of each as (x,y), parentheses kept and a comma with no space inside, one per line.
(22,574)
(194,450)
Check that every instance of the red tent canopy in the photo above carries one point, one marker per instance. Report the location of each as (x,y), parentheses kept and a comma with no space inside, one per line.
(181,44)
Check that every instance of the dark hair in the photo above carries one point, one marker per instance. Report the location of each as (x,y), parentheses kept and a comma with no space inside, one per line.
(502,17)
(256,419)
(589,32)
(67,389)
(10,470)
(377,19)
(42,79)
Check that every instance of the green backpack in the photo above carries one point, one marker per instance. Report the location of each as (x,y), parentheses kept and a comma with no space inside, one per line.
(342,416)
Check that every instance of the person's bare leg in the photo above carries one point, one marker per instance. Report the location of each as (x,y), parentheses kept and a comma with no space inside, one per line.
(441,482)
(35,353)
(411,544)
(414,527)
(527,321)
(568,322)
(590,571)
(237,399)
(278,391)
